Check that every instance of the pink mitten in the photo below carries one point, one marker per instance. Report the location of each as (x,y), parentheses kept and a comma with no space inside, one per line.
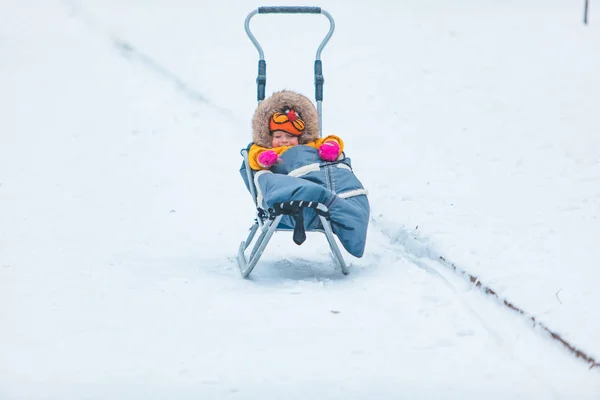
(267,158)
(329,150)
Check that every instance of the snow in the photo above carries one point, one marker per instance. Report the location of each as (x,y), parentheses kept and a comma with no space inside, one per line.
(474,125)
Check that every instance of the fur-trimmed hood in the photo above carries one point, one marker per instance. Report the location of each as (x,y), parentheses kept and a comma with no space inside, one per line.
(276,103)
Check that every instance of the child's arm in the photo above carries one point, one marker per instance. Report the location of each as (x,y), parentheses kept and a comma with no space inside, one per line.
(329,147)
(263,158)
(253,154)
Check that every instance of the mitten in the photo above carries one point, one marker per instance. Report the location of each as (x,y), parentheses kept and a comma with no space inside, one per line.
(266,159)
(329,151)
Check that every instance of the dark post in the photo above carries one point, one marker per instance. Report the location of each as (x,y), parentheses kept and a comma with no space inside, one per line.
(585,12)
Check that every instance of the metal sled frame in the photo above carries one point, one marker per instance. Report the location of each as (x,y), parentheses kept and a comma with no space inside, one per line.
(267,222)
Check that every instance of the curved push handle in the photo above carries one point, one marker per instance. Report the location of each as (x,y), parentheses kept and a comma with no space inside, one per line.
(289,10)
(261,79)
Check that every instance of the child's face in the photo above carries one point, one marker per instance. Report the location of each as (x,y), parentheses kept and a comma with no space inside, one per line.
(281,138)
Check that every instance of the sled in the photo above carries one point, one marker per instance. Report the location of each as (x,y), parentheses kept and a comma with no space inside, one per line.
(285,216)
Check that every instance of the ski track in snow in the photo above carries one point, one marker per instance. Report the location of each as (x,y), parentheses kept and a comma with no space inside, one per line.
(492,331)
(129,51)
(420,253)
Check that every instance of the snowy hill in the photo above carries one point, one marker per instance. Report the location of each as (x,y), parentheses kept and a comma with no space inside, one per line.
(474,125)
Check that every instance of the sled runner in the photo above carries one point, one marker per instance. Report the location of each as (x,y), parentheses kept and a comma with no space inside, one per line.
(303,193)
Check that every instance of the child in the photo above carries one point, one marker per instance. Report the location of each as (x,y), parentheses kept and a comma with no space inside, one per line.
(284,120)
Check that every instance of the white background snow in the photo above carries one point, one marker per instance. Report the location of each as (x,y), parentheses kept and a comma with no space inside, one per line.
(475,125)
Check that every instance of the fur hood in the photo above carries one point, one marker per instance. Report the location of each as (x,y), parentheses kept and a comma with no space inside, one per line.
(276,103)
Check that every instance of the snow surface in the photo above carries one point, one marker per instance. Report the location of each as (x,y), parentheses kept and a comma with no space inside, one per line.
(474,125)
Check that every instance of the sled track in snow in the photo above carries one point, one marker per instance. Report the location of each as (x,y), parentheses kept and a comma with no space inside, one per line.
(491,330)
(130,52)
(475,281)
(417,251)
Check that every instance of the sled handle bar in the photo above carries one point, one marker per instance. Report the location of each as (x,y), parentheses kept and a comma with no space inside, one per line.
(261,79)
(289,10)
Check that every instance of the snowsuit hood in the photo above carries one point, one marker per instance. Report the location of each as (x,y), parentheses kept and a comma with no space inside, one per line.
(277,102)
